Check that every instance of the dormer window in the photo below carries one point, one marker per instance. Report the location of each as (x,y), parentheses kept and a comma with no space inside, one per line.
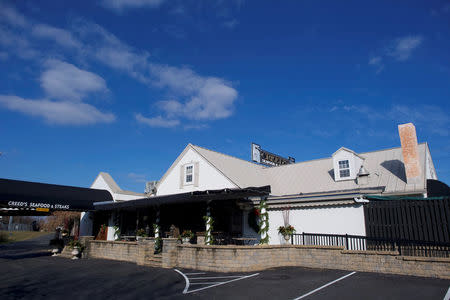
(346,164)
(189,174)
(344,168)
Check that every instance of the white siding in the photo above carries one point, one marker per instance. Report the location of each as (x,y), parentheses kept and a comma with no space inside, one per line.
(331,220)
(429,166)
(247,231)
(125,197)
(101,184)
(86,224)
(209,178)
(354,163)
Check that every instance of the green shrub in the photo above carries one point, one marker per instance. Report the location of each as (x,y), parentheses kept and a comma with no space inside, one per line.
(3,237)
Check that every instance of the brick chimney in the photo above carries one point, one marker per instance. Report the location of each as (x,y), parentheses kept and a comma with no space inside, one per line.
(410,150)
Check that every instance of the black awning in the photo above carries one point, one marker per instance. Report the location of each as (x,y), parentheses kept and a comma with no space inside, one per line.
(192,197)
(26,195)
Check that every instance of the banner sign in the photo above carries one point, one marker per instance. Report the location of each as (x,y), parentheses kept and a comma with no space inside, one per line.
(38,206)
(267,158)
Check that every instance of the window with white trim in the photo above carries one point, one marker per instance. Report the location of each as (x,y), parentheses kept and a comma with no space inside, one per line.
(344,169)
(189,174)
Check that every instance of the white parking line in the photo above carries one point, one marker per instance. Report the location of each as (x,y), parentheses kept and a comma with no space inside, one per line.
(217,277)
(447,296)
(194,273)
(324,286)
(211,284)
(192,283)
(185,279)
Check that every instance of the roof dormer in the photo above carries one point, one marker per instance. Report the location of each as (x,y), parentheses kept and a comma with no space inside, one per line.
(346,164)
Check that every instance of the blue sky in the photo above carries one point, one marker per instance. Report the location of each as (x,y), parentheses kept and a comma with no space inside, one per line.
(122,86)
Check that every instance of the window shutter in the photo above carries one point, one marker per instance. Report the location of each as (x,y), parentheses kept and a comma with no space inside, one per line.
(196,174)
(181,177)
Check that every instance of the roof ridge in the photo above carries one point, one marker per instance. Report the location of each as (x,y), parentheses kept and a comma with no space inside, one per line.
(392,148)
(317,159)
(231,156)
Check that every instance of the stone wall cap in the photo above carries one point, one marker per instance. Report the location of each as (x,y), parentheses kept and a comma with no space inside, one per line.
(425,259)
(370,252)
(113,242)
(255,247)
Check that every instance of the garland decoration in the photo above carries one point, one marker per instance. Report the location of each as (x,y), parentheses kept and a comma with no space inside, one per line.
(209,228)
(156,229)
(158,239)
(263,222)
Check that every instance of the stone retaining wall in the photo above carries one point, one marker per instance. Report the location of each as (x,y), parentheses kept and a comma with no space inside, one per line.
(137,252)
(255,258)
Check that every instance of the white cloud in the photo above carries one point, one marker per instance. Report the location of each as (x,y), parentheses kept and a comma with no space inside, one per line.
(158,121)
(65,81)
(230,24)
(62,113)
(195,97)
(17,44)
(433,118)
(209,98)
(376,60)
(10,16)
(120,5)
(106,48)
(137,177)
(401,49)
(60,36)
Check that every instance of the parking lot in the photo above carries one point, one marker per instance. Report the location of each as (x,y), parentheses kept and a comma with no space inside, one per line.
(27,271)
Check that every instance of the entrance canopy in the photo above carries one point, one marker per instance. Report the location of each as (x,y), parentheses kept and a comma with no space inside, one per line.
(191,197)
(32,198)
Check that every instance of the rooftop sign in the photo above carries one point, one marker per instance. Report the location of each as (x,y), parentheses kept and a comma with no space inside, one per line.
(267,158)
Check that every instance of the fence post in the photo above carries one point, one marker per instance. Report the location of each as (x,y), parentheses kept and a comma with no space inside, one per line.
(292,239)
(303,238)
(346,241)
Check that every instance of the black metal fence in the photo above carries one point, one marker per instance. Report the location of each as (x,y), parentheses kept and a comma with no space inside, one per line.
(402,219)
(358,242)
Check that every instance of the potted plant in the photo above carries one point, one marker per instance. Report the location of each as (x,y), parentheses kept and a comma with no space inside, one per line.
(187,236)
(286,231)
(57,244)
(141,233)
(76,247)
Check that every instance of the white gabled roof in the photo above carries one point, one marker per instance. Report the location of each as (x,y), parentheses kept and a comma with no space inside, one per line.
(114,186)
(386,169)
(348,150)
(241,172)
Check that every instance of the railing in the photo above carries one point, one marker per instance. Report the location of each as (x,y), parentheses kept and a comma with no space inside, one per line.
(358,242)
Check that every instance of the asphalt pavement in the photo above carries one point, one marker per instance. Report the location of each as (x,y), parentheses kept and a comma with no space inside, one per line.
(27,271)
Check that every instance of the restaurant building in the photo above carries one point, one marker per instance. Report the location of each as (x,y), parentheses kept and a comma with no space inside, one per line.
(321,196)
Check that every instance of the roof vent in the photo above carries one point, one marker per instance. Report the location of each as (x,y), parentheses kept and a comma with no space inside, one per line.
(150,187)
(363,171)
(362,177)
